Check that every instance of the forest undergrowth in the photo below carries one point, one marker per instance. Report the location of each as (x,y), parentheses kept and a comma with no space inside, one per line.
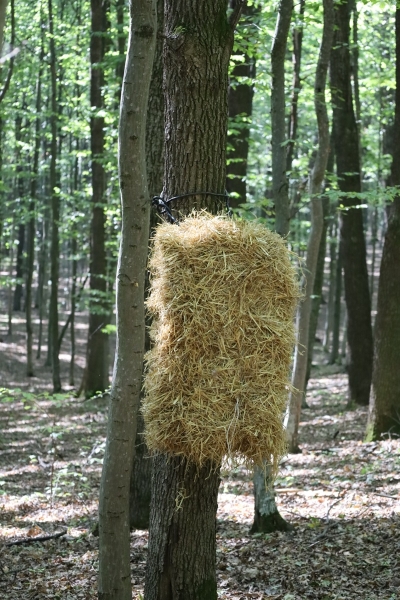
(340,495)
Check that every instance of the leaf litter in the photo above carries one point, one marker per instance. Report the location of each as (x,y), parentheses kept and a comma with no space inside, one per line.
(341,496)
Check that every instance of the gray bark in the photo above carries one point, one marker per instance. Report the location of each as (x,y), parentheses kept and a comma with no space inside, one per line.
(316,179)
(114,550)
(55,216)
(278,122)
(266,515)
(181,560)
(140,493)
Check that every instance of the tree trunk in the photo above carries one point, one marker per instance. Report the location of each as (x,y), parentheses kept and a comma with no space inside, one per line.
(337,305)
(18,292)
(317,290)
(55,215)
(42,275)
(240,101)
(19,268)
(266,514)
(140,491)
(297,38)
(359,331)
(31,223)
(331,285)
(316,179)
(384,413)
(278,122)
(114,549)
(96,370)
(181,560)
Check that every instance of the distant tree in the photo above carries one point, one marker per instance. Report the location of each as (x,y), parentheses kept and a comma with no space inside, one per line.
(359,330)
(96,370)
(266,515)
(316,179)
(280,189)
(240,100)
(384,412)
(53,350)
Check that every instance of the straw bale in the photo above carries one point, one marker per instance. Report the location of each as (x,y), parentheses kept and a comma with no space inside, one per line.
(223,294)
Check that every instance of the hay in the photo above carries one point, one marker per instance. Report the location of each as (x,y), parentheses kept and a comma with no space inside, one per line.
(223,294)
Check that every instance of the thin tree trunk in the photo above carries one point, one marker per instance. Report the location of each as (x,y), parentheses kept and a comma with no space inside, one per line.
(10,292)
(140,491)
(266,514)
(317,291)
(374,239)
(42,277)
(73,309)
(359,331)
(182,544)
(114,547)
(278,122)
(96,370)
(55,214)
(297,38)
(316,179)
(240,101)
(31,223)
(384,412)
(18,292)
(337,308)
(331,287)
(19,267)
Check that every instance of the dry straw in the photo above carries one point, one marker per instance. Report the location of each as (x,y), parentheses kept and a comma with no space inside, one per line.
(223,294)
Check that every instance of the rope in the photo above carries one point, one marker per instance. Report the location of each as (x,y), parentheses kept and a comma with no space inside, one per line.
(163,206)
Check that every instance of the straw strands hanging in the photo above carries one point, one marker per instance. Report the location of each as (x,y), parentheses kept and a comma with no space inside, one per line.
(223,295)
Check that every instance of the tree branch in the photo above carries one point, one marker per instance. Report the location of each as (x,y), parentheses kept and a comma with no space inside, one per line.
(235,15)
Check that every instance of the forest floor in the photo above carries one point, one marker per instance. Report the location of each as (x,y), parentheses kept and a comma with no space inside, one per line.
(341,496)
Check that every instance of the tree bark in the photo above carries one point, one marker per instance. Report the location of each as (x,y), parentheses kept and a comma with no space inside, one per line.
(114,549)
(96,370)
(280,190)
(19,266)
(297,38)
(266,515)
(384,412)
(317,290)
(140,491)
(55,214)
(31,223)
(19,270)
(337,304)
(240,101)
(197,45)
(359,331)
(316,179)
